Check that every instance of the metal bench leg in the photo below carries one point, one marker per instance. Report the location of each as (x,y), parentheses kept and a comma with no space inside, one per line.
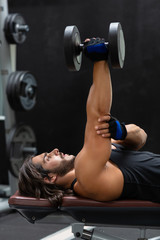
(143,234)
(92,234)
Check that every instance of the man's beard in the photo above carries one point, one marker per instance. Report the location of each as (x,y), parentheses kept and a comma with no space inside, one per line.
(64,167)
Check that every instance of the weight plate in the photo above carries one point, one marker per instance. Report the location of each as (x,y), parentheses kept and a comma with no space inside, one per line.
(15,93)
(6,27)
(14,103)
(21,142)
(73,55)
(9,88)
(116,45)
(15,28)
(26,87)
(21,90)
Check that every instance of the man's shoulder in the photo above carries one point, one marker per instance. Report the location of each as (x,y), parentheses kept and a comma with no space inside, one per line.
(101,184)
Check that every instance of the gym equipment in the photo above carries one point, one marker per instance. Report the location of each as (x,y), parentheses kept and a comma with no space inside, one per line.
(21,90)
(86,216)
(20,143)
(15,28)
(73,47)
(4,164)
(21,96)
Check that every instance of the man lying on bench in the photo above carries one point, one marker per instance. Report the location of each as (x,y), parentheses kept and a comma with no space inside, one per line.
(101,171)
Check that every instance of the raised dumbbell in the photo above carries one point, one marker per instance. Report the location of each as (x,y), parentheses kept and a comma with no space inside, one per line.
(73,47)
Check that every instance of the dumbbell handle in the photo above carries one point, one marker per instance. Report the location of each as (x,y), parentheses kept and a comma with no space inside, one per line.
(31,150)
(81,46)
(21,28)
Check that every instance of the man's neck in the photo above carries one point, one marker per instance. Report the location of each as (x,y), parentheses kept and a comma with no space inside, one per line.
(66,180)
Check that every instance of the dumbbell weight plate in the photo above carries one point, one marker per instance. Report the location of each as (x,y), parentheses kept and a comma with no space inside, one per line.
(14,36)
(21,142)
(26,87)
(116,45)
(73,55)
(21,90)
(11,91)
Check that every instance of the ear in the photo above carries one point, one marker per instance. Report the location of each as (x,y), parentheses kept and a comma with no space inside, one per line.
(52,178)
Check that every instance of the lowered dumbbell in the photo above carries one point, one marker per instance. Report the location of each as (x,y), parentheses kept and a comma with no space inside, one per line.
(73,47)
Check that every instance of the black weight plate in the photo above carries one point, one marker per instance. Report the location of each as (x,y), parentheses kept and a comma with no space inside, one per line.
(7,28)
(16,93)
(21,142)
(21,90)
(15,99)
(116,45)
(12,34)
(73,55)
(11,91)
(19,36)
(9,87)
(26,90)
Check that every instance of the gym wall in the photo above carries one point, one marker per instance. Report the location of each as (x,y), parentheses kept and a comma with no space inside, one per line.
(59,116)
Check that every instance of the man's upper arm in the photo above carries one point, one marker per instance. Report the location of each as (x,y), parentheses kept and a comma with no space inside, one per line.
(91,161)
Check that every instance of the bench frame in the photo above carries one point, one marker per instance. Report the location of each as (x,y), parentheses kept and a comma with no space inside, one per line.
(81,212)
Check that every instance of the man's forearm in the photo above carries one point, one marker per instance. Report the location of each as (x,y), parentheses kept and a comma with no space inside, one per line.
(99,102)
(135,139)
(100,96)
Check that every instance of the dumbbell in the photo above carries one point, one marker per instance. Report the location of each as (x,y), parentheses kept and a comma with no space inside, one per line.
(15,28)
(21,90)
(73,48)
(21,142)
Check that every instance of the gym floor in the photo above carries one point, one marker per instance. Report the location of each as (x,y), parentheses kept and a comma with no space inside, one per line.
(14,227)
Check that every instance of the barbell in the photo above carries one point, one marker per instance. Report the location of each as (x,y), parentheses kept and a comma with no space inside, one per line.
(73,48)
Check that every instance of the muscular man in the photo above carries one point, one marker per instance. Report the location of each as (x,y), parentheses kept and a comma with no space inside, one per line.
(98,171)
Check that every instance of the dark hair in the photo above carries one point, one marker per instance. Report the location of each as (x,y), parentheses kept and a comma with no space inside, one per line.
(31,183)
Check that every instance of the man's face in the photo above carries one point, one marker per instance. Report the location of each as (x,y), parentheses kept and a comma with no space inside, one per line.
(55,162)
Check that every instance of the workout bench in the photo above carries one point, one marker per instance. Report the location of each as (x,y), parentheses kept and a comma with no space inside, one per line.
(81,212)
